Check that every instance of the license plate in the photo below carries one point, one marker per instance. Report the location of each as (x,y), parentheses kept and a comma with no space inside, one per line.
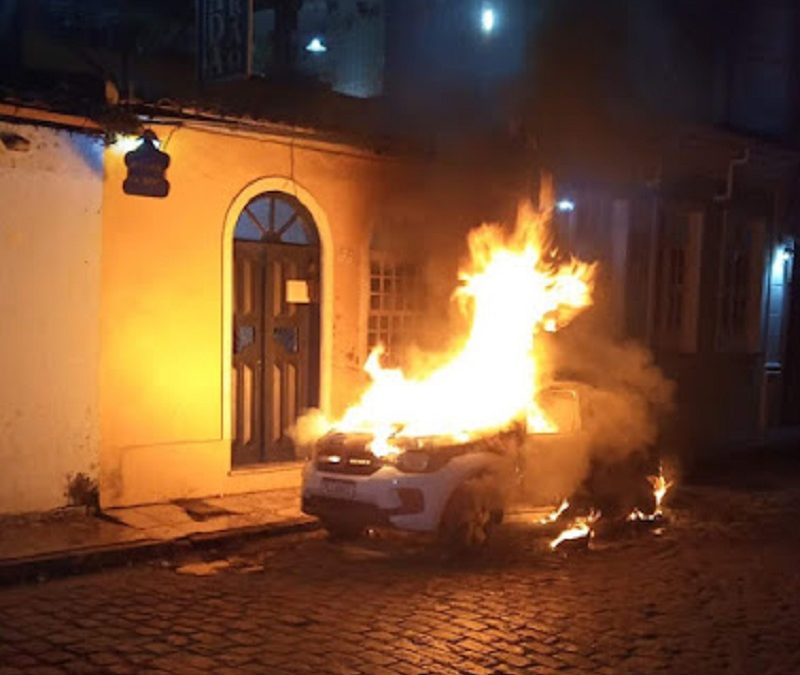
(341,489)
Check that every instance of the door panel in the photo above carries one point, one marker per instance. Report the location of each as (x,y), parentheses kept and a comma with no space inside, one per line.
(292,330)
(276,347)
(248,352)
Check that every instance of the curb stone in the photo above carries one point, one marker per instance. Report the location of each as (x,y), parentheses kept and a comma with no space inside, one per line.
(97,558)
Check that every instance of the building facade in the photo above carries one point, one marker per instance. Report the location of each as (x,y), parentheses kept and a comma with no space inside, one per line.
(162,347)
(698,263)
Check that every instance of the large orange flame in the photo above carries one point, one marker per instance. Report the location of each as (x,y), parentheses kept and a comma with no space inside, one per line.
(512,288)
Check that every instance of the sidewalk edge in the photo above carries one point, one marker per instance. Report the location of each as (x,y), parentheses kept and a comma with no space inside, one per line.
(93,559)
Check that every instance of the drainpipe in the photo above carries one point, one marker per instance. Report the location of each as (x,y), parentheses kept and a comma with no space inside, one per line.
(723,199)
(732,164)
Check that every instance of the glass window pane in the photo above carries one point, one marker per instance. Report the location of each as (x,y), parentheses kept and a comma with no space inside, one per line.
(246,229)
(283,212)
(296,234)
(259,207)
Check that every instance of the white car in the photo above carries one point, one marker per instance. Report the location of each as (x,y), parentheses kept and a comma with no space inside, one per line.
(458,490)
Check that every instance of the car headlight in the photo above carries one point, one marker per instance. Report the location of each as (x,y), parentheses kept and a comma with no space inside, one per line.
(413,461)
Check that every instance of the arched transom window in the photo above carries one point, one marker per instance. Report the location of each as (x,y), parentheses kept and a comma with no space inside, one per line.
(276,217)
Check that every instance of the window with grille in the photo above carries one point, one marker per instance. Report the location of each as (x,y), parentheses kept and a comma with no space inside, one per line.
(733,298)
(679,258)
(676,284)
(394,304)
(740,283)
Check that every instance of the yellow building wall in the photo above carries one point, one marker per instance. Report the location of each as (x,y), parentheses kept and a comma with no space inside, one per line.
(165,303)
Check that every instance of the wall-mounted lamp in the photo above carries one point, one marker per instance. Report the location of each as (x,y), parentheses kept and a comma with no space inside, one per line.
(147,166)
(316,45)
(565,205)
(125,143)
(783,256)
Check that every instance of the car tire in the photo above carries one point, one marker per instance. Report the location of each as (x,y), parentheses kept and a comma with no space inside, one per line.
(470,516)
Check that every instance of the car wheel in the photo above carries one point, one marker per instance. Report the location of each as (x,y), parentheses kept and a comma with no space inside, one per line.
(469,516)
(342,530)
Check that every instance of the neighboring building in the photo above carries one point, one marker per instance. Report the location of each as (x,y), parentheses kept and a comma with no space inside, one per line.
(339,43)
(147,49)
(699,261)
(674,129)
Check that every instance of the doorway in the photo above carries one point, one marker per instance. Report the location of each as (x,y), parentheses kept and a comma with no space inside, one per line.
(276,326)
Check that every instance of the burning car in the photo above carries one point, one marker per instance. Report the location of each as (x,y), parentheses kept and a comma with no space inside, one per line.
(457,490)
(441,444)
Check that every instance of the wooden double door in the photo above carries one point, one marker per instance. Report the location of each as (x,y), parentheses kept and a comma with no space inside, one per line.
(276,327)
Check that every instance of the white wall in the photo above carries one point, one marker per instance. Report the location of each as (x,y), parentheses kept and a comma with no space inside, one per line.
(50,221)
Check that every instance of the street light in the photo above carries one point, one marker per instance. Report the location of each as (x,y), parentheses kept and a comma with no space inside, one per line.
(488,19)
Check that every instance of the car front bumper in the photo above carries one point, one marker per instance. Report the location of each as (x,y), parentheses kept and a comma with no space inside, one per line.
(387,497)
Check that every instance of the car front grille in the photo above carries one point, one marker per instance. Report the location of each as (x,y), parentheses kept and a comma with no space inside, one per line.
(346,459)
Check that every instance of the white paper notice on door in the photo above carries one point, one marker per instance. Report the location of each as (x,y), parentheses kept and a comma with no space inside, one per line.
(297,291)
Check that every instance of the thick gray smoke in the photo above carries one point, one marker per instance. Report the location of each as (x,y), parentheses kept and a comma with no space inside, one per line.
(623,398)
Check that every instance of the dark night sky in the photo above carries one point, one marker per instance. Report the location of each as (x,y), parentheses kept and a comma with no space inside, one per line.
(567,67)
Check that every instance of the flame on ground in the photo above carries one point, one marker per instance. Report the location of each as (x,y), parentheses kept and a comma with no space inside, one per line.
(553,516)
(512,288)
(581,527)
(660,488)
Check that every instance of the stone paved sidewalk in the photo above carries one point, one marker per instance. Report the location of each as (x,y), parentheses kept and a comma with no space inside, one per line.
(64,541)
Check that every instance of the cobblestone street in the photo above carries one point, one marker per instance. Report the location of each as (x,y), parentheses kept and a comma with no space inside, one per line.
(716,592)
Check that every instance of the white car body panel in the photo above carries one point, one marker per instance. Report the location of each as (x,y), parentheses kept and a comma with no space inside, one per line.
(375,495)
(380,488)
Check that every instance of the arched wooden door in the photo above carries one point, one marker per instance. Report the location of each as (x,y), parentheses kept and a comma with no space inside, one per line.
(276,326)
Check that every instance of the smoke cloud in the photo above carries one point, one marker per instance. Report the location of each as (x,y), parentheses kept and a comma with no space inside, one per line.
(623,397)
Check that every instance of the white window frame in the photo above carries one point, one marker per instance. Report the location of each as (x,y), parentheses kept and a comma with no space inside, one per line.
(679,251)
(393,302)
(740,331)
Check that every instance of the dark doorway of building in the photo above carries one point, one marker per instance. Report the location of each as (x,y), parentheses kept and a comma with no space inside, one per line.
(276,326)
